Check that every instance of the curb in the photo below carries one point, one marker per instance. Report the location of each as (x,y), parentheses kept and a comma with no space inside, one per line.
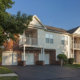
(9,74)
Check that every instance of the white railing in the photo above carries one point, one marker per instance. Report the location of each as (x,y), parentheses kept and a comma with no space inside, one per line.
(76,45)
(29,41)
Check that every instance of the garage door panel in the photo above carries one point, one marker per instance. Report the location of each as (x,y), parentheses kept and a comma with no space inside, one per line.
(8,58)
(47,58)
(29,59)
(40,56)
(14,58)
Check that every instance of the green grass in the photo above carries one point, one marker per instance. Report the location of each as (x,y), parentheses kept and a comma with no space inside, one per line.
(9,78)
(4,70)
(72,65)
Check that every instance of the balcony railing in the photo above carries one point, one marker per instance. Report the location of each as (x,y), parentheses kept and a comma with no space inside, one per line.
(76,45)
(29,41)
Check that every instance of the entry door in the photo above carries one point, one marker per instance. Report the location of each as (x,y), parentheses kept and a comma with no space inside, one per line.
(47,58)
(29,59)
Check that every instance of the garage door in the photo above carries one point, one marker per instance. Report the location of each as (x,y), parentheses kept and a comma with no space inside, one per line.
(29,59)
(9,58)
(40,57)
(46,58)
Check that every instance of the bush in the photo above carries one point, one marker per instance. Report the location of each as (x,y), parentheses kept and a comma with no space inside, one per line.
(62,57)
(70,60)
(0,57)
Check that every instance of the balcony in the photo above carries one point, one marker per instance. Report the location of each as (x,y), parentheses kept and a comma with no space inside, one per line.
(77,46)
(28,41)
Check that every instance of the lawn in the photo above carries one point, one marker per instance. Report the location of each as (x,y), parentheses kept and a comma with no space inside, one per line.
(8,78)
(72,65)
(4,70)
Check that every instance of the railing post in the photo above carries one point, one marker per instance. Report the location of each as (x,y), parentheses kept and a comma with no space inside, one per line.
(30,41)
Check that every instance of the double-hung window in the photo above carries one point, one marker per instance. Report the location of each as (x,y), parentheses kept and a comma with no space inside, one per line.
(49,38)
(63,40)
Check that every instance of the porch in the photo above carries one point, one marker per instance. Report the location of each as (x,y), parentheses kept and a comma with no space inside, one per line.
(33,55)
(76,48)
(77,56)
(76,42)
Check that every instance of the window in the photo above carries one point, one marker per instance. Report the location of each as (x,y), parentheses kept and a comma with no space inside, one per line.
(49,38)
(63,40)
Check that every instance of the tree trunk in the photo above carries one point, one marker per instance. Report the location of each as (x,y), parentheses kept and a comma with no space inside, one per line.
(61,62)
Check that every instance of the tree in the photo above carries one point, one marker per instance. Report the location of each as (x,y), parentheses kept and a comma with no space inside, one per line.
(11,25)
(70,60)
(2,36)
(62,58)
(4,4)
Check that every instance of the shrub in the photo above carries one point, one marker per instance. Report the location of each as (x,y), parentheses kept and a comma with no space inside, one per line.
(0,57)
(62,57)
(70,60)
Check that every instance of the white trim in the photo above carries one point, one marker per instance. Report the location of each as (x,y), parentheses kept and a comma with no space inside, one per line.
(24,52)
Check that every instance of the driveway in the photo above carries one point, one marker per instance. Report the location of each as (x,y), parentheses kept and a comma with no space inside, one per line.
(46,73)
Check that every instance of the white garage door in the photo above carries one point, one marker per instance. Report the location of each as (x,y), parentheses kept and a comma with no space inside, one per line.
(9,58)
(40,57)
(29,59)
(46,58)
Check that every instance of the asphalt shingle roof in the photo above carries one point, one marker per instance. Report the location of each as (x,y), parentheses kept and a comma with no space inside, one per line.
(56,29)
(73,30)
(61,30)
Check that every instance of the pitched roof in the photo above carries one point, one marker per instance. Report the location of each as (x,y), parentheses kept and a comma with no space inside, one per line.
(59,30)
(73,30)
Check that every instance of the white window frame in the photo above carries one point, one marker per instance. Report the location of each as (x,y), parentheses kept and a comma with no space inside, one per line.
(63,40)
(49,38)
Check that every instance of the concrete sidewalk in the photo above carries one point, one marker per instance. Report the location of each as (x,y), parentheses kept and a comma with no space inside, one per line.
(9,74)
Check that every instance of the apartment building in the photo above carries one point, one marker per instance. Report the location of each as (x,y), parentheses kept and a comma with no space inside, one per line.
(42,43)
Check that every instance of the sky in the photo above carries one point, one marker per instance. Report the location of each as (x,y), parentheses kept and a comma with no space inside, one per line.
(57,13)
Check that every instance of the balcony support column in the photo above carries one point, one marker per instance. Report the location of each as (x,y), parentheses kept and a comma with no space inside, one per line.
(43,54)
(24,52)
(73,46)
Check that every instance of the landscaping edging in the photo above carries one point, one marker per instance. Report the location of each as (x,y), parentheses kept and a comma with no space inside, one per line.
(8,75)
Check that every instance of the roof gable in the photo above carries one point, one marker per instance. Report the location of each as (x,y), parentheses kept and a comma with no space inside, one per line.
(77,31)
(74,30)
(36,22)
